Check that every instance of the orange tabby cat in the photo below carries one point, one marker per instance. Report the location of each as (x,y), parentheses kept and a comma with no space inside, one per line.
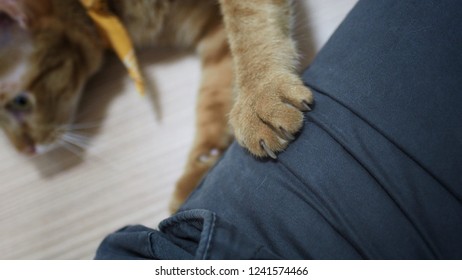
(50,48)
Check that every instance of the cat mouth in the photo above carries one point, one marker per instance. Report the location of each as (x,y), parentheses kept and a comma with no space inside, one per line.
(32,148)
(29,146)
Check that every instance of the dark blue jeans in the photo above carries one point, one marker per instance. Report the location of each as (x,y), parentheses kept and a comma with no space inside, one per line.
(376,173)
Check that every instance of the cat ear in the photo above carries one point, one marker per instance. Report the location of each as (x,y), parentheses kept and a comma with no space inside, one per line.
(24,12)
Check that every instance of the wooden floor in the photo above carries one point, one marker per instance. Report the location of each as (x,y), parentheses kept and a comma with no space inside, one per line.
(61,205)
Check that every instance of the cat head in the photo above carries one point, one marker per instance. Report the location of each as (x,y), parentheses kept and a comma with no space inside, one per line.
(48,50)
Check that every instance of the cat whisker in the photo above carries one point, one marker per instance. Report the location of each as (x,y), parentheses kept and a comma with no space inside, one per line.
(85,125)
(77,148)
(71,148)
(78,136)
(79,126)
(78,141)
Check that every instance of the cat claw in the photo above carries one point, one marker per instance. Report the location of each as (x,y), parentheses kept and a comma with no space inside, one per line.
(270,153)
(306,106)
(287,136)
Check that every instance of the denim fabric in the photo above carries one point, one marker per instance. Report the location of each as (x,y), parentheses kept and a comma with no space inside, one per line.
(195,234)
(376,173)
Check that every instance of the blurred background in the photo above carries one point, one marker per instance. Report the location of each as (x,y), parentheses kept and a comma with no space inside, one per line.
(62,204)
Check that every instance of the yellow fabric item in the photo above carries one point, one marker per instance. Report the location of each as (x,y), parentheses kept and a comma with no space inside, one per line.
(117,37)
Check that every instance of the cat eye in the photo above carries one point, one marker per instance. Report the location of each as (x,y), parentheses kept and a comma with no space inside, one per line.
(20,103)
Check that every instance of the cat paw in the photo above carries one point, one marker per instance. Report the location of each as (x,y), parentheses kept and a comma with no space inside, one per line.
(266,118)
(210,156)
(174,205)
(199,162)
